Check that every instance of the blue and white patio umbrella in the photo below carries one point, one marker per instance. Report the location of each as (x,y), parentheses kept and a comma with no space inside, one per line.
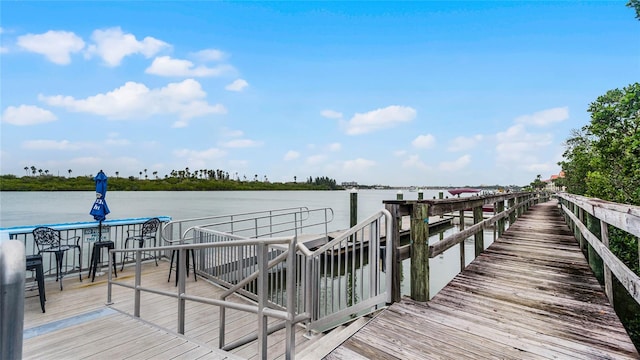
(100,208)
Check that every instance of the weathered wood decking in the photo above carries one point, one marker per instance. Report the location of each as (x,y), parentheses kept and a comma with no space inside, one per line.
(530,295)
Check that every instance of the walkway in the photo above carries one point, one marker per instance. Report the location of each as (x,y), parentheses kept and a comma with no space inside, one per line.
(530,295)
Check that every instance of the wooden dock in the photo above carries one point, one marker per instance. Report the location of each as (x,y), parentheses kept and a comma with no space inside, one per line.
(77,323)
(530,295)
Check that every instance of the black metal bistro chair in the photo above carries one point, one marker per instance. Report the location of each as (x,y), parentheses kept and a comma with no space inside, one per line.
(175,255)
(148,232)
(34,263)
(48,240)
(96,257)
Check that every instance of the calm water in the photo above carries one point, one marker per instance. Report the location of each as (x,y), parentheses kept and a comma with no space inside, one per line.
(36,208)
(32,208)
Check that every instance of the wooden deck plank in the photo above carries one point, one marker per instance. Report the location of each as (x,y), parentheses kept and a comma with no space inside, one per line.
(152,337)
(530,295)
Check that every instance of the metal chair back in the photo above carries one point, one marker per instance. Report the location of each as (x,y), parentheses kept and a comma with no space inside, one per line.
(150,227)
(46,238)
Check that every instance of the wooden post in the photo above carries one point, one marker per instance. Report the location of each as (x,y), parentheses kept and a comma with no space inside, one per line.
(499,209)
(420,194)
(392,243)
(420,252)
(353,207)
(512,216)
(608,285)
(479,236)
(581,218)
(399,195)
(440,195)
(463,259)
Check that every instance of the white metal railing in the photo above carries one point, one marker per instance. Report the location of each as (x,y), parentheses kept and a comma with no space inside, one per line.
(261,249)
(256,224)
(322,287)
(346,277)
(113,230)
(333,283)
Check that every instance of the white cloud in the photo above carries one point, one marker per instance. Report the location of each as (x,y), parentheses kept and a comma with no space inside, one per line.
(4,50)
(134,100)
(519,149)
(24,115)
(112,45)
(117,142)
(237,85)
(334,147)
(424,141)
(330,114)
(291,155)
(400,152)
(241,143)
(545,117)
(358,164)
(57,46)
(50,145)
(379,119)
(316,159)
(199,159)
(462,143)
(167,66)
(231,133)
(458,164)
(414,162)
(539,168)
(209,55)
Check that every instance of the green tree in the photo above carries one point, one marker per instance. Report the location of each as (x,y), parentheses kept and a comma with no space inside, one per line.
(538,184)
(615,132)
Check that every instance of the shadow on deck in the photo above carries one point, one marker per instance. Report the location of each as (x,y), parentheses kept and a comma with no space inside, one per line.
(530,295)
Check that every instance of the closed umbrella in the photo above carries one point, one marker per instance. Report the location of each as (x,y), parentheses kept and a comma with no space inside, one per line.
(100,208)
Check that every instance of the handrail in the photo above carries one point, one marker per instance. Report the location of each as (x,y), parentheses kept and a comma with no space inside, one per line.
(420,251)
(454,239)
(12,268)
(262,308)
(230,219)
(622,216)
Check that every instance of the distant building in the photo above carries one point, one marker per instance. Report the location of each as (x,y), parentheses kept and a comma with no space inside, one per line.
(551,186)
(348,184)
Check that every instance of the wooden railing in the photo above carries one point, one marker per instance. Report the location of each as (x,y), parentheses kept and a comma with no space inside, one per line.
(421,251)
(624,217)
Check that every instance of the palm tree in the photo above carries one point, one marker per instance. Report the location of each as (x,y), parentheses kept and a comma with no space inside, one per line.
(69,172)
(295,179)
(33,170)
(140,175)
(40,172)
(26,170)
(155,174)
(117,173)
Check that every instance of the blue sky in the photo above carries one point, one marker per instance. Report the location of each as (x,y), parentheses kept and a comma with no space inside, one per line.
(396,93)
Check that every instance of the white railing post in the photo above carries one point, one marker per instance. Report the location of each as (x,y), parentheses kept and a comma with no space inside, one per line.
(138,281)
(12,269)
(181,271)
(262,298)
(291,299)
